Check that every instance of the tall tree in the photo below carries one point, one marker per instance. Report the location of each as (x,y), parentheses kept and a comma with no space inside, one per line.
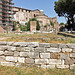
(66,8)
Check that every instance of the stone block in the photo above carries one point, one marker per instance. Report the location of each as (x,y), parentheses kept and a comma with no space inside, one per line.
(3,43)
(66,50)
(62,66)
(41,61)
(71,45)
(72,66)
(2,58)
(45,55)
(2,48)
(20,44)
(72,55)
(54,50)
(11,48)
(40,49)
(33,44)
(9,53)
(54,61)
(1,52)
(16,53)
(10,43)
(19,49)
(7,64)
(54,55)
(51,67)
(54,45)
(29,61)
(62,45)
(11,58)
(24,54)
(46,45)
(64,56)
(33,54)
(21,59)
(43,66)
(69,62)
(74,50)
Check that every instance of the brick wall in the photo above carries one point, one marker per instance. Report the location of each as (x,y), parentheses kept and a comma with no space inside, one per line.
(45,55)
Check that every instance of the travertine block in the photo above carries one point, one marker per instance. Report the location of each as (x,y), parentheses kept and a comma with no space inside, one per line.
(53,50)
(21,59)
(45,55)
(41,61)
(11,58)
(54,61)
(66,50)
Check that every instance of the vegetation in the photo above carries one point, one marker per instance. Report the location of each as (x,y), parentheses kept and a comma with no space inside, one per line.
(37,24)
(37,37)
(33,71)
(66,8)
(23,28)
(18,25)
(51,23)
(62,23)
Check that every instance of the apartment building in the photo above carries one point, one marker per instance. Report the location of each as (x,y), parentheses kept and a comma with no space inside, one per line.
(6,14)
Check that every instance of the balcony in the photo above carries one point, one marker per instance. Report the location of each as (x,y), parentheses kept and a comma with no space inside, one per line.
(6,12)
(6,4)
(9,2)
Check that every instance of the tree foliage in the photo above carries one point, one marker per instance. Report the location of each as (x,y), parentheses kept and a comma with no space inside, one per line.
(66,8)
(37,24)
(51,23)
(62,23)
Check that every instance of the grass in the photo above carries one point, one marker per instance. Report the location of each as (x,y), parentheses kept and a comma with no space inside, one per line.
(21,38)
(4,70)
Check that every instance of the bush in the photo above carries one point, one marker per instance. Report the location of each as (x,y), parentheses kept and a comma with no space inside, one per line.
(37,24)
(23,28)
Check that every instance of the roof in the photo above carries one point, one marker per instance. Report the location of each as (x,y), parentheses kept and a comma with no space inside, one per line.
(22,8)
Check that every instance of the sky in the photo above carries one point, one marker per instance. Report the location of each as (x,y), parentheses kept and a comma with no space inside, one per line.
(46,5)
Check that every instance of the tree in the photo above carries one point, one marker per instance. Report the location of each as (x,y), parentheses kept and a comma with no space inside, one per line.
(66,8)
(37,24)
(51,23)
(62,23)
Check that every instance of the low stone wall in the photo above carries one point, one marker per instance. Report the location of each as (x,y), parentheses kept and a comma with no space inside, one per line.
(43,55)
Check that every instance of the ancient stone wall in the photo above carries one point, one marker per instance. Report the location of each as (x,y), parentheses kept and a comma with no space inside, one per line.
(45,55)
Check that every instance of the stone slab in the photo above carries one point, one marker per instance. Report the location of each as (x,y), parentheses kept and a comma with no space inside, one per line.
(66,50)
(62,66)
(54,50)
(21,59)
(41,61)
(29,61)
(45,55)
(1,52)
(7,64)
(11,58)
(72,55)
(54,61)
(9,53)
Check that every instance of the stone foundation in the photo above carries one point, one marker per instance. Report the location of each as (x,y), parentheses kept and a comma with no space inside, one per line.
(45,55)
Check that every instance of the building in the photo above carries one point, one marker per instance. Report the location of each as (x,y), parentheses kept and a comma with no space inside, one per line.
(6,13)
(23,15)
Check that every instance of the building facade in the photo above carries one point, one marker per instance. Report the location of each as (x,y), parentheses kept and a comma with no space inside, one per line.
(23,15)
(6,14)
